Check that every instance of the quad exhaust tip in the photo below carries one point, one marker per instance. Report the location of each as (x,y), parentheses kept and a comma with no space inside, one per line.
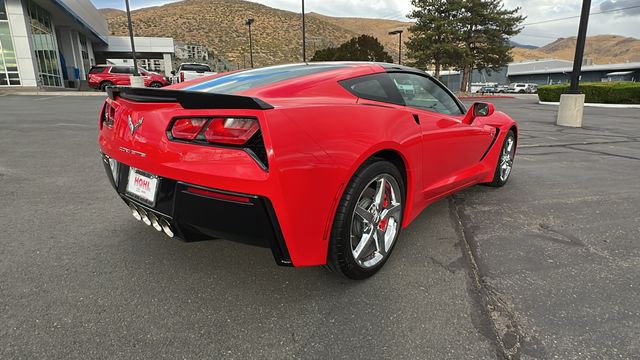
(151,219)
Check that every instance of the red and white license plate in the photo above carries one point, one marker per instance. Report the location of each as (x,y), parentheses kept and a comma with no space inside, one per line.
(142,186)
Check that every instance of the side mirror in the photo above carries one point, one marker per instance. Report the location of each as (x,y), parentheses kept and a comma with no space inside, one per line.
(479,109)
(482,109)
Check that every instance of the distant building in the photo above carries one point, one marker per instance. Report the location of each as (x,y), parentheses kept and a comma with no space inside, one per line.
(543,72)
(559,71)
(153,53)
(189,51)
(54,43)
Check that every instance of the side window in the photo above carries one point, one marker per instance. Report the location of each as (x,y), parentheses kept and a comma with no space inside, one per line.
(377,87)
(121,70)
(423,93)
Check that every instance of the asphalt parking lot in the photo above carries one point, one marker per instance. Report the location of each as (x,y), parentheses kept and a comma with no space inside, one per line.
(546,267)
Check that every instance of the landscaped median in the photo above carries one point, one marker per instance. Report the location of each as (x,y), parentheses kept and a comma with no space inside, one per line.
(623,92)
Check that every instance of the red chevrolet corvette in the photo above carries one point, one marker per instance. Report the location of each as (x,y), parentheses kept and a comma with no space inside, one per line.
(323,163)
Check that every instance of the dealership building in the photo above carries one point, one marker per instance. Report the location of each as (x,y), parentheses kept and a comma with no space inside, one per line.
(54,43)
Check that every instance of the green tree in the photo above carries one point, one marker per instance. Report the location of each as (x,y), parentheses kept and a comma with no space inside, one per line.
(363,48)
(436,35)
(486,28)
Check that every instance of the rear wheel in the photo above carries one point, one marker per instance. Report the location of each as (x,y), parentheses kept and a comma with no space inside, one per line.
(105,84)
(155,84)
(367,221)
(505,161)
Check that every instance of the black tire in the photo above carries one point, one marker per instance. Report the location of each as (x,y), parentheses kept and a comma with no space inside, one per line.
(499,180)
(340,258)
(104,84)
(155,84)
(521,91)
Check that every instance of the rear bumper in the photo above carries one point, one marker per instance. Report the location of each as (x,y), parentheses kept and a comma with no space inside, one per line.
(196,216)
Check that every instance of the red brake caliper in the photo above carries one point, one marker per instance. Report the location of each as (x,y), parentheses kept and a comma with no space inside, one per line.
(383,223)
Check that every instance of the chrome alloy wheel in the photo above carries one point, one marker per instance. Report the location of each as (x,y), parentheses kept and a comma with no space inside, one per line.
(506,158)
(375,222)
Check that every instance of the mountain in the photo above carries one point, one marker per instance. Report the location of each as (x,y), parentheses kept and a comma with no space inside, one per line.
(602,49)
(523,46)
(219,25)
(109,12)
(378,28)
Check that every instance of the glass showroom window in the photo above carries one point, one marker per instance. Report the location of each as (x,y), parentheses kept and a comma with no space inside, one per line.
(8,65)
(85,53)
(44,46)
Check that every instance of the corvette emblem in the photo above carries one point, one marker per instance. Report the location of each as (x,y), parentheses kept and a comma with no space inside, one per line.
(135,127)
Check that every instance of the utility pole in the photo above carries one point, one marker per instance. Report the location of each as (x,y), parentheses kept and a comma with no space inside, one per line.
(582,37)
(133,46)
(248,23)
(572,103)
(304,45)
(399,33)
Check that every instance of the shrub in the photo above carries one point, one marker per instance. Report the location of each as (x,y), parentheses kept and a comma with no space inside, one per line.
(620,92)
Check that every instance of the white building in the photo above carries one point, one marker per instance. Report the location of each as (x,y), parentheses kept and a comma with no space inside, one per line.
(54,43)
(188,51)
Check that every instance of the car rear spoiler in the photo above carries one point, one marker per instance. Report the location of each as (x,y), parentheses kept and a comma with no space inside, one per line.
(187,99)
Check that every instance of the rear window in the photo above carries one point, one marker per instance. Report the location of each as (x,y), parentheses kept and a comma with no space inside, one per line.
(249,79)
(195,67)
(96,69)
(378,87)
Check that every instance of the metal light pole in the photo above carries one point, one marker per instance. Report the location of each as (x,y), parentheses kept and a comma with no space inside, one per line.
(399,33)
(572,103)
(304,42)
(133,46)
(248,23)
(582,36)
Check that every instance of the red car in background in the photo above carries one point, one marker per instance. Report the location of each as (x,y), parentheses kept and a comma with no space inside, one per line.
(101,76)
(323,163)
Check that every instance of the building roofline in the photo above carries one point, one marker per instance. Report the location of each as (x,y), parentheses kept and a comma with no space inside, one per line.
(78,18)
(585,68)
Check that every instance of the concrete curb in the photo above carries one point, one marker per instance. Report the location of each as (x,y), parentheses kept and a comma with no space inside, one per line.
(53,93)
(615,106)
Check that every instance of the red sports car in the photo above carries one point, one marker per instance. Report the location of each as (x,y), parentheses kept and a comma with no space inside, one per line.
(323,163)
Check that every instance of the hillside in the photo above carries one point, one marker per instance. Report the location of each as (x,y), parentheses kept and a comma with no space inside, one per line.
(602,49)
(219,25)
(109,12)
(378,28)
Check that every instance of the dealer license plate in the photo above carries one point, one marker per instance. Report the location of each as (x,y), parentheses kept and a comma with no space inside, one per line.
(142,186)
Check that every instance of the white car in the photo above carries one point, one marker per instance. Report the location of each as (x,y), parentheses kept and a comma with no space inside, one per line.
(522,88)
(190,71)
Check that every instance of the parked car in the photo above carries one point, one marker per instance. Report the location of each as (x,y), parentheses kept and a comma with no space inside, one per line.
(101,76)
(323,163)
(190,71)
(522,88)
(489,89)
(502,89)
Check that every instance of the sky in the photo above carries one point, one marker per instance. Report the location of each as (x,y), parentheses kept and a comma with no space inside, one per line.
(624,22)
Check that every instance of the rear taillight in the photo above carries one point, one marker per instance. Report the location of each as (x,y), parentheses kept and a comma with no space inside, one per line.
(227,130)
(181,76)
(187,129)
(235,131)
(108,114)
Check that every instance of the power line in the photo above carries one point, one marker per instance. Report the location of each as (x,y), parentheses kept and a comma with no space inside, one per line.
(577,16)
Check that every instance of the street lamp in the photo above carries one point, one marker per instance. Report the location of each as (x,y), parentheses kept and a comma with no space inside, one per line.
(399,32)
(133,46)
(304,42)
(248,23)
